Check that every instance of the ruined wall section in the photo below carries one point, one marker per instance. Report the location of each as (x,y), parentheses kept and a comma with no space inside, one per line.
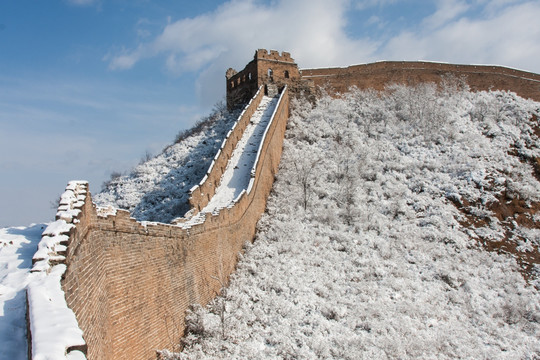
(241,85)
(378,75)
(130,283)
(53,331)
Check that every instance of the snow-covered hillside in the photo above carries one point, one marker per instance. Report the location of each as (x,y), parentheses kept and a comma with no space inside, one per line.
(17,246)
(401,225)
(158,189)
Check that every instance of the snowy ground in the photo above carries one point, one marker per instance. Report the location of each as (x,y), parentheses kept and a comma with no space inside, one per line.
(17,246)
(238,172)
(367,251)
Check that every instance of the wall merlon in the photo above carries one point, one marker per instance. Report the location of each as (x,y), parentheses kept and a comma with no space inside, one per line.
(263,54)
(230,73)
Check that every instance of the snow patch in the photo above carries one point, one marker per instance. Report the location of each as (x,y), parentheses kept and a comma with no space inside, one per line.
(17,245)
(53,326)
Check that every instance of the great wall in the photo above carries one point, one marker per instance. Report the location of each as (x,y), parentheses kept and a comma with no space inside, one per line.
(119,288)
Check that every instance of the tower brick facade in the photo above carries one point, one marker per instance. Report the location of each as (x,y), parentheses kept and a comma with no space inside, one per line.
(266,68)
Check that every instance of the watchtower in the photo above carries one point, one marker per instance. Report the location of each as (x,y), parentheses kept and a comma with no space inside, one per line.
(269,68)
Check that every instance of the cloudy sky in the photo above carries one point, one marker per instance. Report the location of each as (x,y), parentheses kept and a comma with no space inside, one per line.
(87,87)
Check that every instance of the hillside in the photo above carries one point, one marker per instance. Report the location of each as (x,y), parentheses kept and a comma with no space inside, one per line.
(401,225)
(158,189)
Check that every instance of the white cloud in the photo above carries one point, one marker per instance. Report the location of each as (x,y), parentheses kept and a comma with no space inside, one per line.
(122,62)
(82,2)
(447,10)
(507,37)
(313,29)
(315,32)
(492,6)
(366,4)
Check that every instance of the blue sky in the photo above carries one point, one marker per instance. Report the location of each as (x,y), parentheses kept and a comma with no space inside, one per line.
(89,86)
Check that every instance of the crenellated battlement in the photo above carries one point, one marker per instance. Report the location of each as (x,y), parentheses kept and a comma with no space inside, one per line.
(273,55)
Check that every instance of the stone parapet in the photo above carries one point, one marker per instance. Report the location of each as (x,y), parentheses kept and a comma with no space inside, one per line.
(53,330)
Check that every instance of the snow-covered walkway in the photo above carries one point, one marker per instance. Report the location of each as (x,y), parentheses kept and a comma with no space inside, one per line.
(238,172)
(17,246)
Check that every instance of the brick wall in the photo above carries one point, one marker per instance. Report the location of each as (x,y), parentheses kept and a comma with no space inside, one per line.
(130,283)
(378,75)
(241,85)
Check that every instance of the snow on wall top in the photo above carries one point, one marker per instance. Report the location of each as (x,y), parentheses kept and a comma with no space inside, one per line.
(227,138)
(54,331)
(263,138)
(238,177)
